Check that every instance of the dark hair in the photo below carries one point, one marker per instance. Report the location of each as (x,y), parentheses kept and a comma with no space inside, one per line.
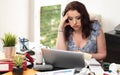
(85,19)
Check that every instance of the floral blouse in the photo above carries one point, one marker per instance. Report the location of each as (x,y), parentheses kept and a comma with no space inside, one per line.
(91,45)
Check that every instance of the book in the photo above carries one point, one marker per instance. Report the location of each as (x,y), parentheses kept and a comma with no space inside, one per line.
(6,66)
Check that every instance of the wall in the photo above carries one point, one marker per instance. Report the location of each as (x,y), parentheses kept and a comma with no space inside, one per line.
(14,17)
(108,9)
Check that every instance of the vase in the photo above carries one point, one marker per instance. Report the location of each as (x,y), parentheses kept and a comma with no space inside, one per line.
(17,71)
(10,52)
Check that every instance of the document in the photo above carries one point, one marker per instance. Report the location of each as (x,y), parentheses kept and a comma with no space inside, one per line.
(93,62)
(58,72)
(95,66)
(97,70)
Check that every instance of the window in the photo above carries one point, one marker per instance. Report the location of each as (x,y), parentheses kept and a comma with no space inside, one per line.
(49,21)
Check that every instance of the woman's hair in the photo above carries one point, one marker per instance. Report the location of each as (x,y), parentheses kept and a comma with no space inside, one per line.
(85,19)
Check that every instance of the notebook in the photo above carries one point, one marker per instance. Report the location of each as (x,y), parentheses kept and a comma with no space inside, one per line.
(63,59)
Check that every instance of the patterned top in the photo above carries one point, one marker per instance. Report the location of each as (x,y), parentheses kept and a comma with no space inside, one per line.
(90,46)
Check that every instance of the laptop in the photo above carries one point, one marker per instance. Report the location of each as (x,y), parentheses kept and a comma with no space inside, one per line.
(63,59)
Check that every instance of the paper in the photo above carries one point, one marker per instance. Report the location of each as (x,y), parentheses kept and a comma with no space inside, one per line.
(87,56)
(4,67)
(58,72)
(97,70)
(93,62)
(95,66)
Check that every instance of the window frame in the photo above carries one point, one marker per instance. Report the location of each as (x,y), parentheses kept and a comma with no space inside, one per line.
(34,29)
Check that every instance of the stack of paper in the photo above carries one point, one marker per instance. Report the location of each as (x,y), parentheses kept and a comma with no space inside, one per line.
(95,67)
(97,70)
(93,62)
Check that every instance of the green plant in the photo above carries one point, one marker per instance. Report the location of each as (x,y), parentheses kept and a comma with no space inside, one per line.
(18,60)
(9,40)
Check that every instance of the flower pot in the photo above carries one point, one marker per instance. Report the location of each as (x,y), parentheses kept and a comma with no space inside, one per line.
(17,71)
(10,52)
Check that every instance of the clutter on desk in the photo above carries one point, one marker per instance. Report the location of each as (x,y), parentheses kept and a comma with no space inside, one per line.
(112,69)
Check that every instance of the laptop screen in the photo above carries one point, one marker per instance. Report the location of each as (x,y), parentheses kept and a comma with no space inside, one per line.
(63,59)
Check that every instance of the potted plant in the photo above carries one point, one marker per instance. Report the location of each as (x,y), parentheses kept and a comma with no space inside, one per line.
(18,65)
(9,41)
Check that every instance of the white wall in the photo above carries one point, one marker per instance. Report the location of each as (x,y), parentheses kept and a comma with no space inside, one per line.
(21,17)
(108,9)
(14,17)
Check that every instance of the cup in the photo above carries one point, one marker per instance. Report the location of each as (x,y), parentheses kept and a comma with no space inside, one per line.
(39,57)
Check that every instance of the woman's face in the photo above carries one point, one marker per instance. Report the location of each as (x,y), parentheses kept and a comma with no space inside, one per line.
(74,18)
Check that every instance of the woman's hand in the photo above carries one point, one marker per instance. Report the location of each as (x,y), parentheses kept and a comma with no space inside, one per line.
(63,23)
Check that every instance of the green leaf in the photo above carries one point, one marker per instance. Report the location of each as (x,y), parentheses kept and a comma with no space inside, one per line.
(9,39)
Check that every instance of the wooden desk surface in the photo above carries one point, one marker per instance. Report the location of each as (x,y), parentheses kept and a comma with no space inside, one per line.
(27,72)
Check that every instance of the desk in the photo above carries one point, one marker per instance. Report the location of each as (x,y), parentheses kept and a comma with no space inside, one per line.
(27,72)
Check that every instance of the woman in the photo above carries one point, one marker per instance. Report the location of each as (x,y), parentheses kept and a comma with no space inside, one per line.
(76,32)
